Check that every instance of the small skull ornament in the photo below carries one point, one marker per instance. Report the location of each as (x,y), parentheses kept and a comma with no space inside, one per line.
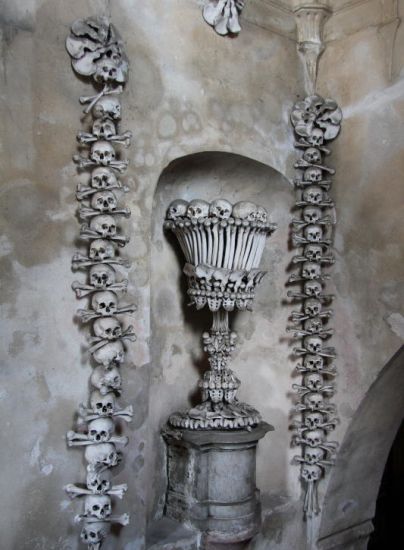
(100,456)
(311,472)
(97,506)
(101,250)
(261,214)
(221,209)
(103,128)
(107,328)
(111,353)
(316,137)
(313,174)
(99,482)
(94,532)
(313,195)
(314,381)
(104,201)
(245,210)
(102,276)
(103,178)
(106,380)
(313,455)
(103,405)
(312,155)
(102,153)
(313,401)
(315,438)
(313,252)
(312,214)
(100,430)
(313,233)
(107,107)
(105,303)
(197,209)
(312,287)
(177,209)
(313,420)
(312,307)
(313,344)
(311,270)
(104,225)
(313,362)
(313,325)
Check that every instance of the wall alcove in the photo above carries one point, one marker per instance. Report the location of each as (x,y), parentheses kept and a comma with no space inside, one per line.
(177,355)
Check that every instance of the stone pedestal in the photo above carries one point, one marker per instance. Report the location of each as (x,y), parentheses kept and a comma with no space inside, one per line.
(211,481)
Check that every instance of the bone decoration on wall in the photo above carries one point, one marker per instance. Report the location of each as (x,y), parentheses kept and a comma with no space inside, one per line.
(96,51)
(223,15)
(316,122)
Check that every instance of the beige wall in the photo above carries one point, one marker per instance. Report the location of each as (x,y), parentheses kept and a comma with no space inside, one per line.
(190,91)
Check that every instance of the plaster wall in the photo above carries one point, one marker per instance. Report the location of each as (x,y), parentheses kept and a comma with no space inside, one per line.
(190,91)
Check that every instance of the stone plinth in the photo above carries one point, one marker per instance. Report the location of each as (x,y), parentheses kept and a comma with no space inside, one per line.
(211,481)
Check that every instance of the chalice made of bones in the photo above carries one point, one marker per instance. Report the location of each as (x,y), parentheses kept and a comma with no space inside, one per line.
(222,244)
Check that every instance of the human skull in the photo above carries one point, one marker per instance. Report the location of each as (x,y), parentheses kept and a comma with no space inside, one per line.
(104,201)
(313,325)
(106,380)
(177,209)
(261,214)
(102,153)
(107,328)
(94,532)
(313,174)
(312,307)
(107,71)
(313,420)
(100,430)
(313,401)
(313,252)
(107,107)
(99,482)
(313,194)
(313,455)
(312,288)
(103,128)
(315,438)
(311,214)
(313,362)
(221,209)
(101,250)
(313,344)
(103,178)
(102,454)
(113,352)
(98,506)
(316,137)
(105,303)
(104,225)
(103,405)
(198,209)
(311,270)
(312,155)
(102,276)
(313,381)
(245,210)
(313,233)
(311,472)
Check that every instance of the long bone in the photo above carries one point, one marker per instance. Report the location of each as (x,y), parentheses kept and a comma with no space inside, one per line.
(83,290)
(87,234)
(301,184)
(222,241)
(301,224)
(183,243)
(188,240)
(75,491)
(84,163)
(323,259)
(86,315)
(85,138)
(84,191)
(326,203)
(87,212)
(99,342)
(322,333)
(215,248)
(299,317)
(241,229)
(92,100)
(303,144)
(258,241)
(301,427)
(323,463)
(329,446)
(324,352)
(295,278)
(79,261)
(123,519)
(300,296)
(209,240)
(301,163)
(298,240)
(260,249)
(304,390)
(125,414)
(75,439)
(230,248)
(330,370)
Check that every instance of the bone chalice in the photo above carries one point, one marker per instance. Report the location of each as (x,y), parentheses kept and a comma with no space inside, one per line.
(222,244)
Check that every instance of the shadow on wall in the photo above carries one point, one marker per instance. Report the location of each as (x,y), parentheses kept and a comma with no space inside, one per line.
(177,356)
(349,505)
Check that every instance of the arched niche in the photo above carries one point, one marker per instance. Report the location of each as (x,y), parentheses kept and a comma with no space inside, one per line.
(350,500)
(177,355)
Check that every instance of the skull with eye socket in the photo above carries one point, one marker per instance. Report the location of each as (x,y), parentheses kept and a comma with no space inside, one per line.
(312,307)
(312,287)
(102,153)
(316,137)
(313,195)
(177,209)
(313,420)
(314,401)
(245,210)
(313,233)
(103,128)
(313,363)
(311,270)
(315,438)
(313,381)
(198,209)
(103,178)
(107,107)
(98,456)
(221,209)
(110,354)
(94,532)
(101,250)
(103,405)
(107,328)
(313,252)
(313,344)
(312,155)
(311,472)
(97,506)
(105,303)
(312,214)
(100,430)
(313,174)
(104,225)
(313,325)
(99,482)
(102,276)
(104,201)
(313,455)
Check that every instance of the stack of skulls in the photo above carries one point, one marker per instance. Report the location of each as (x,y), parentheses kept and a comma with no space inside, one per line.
(223,245)
(96,50)
(316,122)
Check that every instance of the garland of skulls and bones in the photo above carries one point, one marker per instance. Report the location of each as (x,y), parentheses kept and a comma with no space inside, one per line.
(316,122)
(96,51)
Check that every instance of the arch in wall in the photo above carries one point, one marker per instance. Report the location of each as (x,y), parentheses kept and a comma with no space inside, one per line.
(350,501)
(177,355)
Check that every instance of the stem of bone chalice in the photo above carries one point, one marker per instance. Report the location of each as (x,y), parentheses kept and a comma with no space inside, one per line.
(222,244)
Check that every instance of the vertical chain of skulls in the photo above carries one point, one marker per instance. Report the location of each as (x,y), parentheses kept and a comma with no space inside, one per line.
(96,51)
(316,122)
